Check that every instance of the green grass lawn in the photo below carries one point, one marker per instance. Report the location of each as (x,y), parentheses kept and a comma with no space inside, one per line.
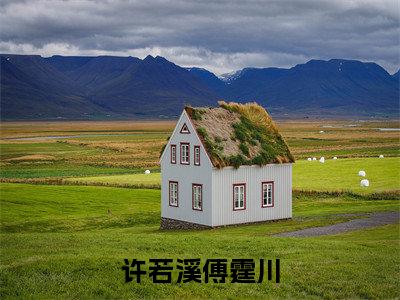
(69,241)
(333,175)
(153,179)
(342,174)
(59,169)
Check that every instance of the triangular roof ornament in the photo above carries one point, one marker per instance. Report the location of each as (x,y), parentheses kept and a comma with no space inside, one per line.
(184,129)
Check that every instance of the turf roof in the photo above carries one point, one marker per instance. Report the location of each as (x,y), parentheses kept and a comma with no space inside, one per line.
(239,134)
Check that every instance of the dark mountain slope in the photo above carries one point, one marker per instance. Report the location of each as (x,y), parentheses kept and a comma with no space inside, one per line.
(250,81)
(33,87)
(155,86)
(95,71)
(345,86)
(209,79)
(67,64)
(331,87)
(396,76)
(30,89)
(96,87)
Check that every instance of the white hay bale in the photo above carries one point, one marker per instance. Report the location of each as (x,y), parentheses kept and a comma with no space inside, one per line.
(364,183)
(334,158)
(309,159)
(314,158)
(381,156)
(321,131)
(147,172)
(362,173)
(322,160)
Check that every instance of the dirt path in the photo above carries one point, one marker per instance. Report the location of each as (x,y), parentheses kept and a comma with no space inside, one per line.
(375,219)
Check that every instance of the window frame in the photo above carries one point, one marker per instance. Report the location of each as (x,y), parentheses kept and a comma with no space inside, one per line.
(201,196)
(196,147)
(177,193)
(188,153)
(244,196)
(272,183)
(184,129)
(173,157)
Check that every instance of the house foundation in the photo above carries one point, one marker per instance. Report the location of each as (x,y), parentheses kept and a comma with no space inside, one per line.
(167,223)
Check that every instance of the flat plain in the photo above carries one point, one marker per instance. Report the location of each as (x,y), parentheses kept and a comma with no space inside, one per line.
(62,238)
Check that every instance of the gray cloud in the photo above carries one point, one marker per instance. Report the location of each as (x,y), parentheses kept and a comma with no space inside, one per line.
(219,35)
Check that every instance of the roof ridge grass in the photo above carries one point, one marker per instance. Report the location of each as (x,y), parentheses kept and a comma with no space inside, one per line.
(255,136)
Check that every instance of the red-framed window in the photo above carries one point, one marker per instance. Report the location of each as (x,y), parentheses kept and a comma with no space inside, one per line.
(197,155)
(185,153)
(184,129)
(267,194)
(173,154)
(173,192)
(197,196)
(239,196)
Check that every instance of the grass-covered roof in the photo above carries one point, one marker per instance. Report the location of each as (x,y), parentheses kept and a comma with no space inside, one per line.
(239,134)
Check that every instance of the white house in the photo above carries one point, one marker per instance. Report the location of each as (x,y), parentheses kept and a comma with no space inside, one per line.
(225,165)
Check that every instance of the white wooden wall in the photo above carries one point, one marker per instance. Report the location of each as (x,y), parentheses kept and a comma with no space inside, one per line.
(186,175)
(223,213)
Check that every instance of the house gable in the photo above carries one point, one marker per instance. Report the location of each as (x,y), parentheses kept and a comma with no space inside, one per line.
(184,134)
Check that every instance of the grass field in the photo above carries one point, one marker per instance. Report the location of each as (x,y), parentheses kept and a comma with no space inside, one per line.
(342,174)
(69,241)
(333,175)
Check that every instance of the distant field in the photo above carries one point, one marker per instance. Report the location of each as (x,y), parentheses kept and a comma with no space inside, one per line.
(136,145)
(70,242)
(140,150)
(42,128)
(117,153)
(333,175)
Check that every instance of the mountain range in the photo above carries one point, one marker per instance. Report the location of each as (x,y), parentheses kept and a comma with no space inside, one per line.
(109,87)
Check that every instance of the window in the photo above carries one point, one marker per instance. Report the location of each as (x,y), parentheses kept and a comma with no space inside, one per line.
(173,193)
(173,154)
(184,129)
(197,155)
(197,196)
(267,194)
(185,153)
(239,196)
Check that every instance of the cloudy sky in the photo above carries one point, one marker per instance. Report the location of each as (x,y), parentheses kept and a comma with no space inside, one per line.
(221,36)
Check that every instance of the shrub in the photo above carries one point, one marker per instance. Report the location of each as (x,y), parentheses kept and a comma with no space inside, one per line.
(195,113)
(245,150)
(237,160)
(202,132)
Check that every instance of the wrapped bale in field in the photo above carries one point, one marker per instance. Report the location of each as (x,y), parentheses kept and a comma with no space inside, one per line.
(322,160)
(309,159)
(147,172)
(334,158)
(314,158)
(362,173)
(381,156)
(364,183)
